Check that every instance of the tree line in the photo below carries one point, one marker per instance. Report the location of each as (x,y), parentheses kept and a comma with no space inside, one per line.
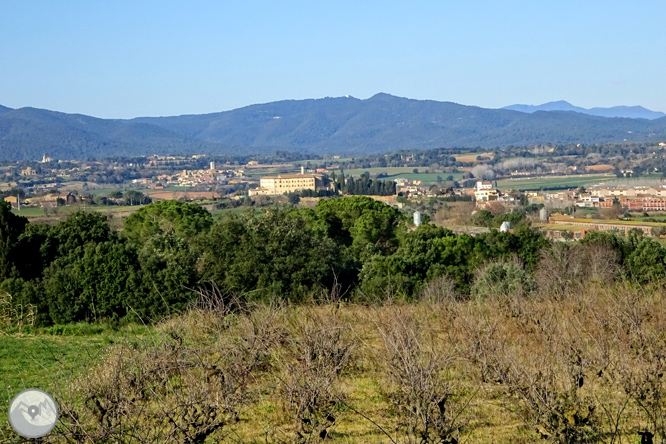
(352,247)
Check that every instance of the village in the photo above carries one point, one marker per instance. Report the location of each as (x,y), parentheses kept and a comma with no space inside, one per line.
(565,197)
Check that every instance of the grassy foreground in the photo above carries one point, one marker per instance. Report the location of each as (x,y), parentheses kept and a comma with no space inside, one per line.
(580,365)
(50,359)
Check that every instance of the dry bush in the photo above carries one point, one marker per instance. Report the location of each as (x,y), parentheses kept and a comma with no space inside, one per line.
(585,369)
(438,290)
(317,351)
(164,392)
(560,270)
(603,263)
(496,208)
(543,370)
(420,385)
(500,280)
(211,299)
(566,268)
(191,381)
(15,315)
(456,213)
(640,321)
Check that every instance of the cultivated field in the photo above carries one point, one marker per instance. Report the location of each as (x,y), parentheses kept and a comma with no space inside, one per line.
(471,157)
(536,183)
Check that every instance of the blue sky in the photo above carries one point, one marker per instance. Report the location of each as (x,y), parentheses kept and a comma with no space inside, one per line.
(122,59)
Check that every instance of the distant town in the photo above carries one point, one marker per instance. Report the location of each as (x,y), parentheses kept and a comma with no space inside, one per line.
(565,190)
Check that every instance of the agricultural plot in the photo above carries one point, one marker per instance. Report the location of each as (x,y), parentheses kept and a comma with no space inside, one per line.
(536,183)
(471,157)
(403,172)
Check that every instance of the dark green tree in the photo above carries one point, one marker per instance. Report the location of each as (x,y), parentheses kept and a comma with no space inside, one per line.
(277,255)
(182,219)
(11,227)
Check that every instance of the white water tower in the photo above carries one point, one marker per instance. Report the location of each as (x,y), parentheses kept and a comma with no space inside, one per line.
(417,218)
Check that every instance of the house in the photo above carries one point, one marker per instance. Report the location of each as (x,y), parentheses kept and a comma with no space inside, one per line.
(485,192)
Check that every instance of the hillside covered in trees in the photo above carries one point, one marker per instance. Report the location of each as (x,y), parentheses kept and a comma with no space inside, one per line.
(344,125)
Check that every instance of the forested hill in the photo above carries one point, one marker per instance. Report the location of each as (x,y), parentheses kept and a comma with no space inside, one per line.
(343,125)
(385,122)
(29,133)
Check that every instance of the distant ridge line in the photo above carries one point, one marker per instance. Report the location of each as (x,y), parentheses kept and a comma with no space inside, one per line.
(630,112)
(340,125)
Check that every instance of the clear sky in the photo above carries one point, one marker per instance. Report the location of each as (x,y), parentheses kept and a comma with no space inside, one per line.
(122,59)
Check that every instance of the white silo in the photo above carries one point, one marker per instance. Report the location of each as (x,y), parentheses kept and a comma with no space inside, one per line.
(212,165)
(543,215)
(417,218)
(302,169)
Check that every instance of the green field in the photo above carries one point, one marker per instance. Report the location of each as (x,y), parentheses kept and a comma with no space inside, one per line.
(427,178)
(391,171)
(47,358)
(536,183)
(261,172)
(403,172)
(322,161)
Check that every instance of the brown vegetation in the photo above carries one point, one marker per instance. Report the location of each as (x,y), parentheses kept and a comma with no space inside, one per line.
(581,363)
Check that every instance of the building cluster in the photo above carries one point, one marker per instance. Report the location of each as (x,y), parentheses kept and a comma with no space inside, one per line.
(562,227)
(164,161)
(411,187)
(633,199)
(210,176)
(629,199)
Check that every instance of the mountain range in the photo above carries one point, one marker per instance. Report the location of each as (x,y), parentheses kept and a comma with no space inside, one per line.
(344,125)
(632,112)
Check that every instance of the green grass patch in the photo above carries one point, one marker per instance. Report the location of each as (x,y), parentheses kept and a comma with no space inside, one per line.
(536,183)
(427,178)
(46,358)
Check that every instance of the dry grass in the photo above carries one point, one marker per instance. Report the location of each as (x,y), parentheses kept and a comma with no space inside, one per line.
(471,157)
(583,365)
